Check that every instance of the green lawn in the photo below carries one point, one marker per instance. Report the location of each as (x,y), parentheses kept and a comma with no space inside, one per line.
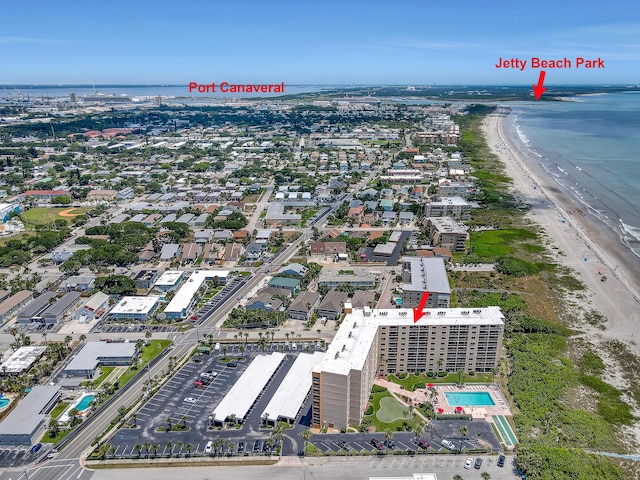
(61,434)
(391,410)
(154,349)
(58,409)
(43,215)
(489,244)
(104,373)
(381,426)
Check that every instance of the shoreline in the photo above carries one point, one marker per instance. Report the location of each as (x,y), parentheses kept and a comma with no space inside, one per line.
(617,298)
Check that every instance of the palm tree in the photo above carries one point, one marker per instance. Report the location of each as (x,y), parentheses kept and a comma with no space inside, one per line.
(169,422)
(67,341)
(306,434)
(457,477)
(170,447)
(147,447)
(231,447)
(224,352)
(82,338)
(388,436)
(155,447)
(464,431)
(278,432)
(53,428)
(134,417)
(265,419)
(179,446)
(485,475)
(44,337)
(440,362)
(184,421)
(189,447)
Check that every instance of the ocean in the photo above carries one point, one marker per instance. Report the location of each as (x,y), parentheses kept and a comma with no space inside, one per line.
(591,148)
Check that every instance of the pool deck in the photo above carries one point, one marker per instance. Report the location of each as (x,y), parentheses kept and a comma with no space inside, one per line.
(437,398)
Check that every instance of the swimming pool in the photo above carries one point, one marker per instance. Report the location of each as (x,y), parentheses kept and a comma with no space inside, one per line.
(4,402)
(469,399)
(84,403)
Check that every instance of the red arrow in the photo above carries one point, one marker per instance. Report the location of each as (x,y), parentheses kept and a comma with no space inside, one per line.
(418,313)
(539,89)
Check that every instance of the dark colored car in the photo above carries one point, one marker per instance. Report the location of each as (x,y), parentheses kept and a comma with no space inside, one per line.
(265,447)
(36,447)
(478,463)
(377,443)
(501,460)
(389,444)
(422,443)
(256,446)
(240,447)
(233,363)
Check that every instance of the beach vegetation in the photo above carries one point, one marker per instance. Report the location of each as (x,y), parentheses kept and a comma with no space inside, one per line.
(553,423)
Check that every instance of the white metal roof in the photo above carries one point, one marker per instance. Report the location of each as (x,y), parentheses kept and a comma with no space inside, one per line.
(89,357)
(294,388)
(245,391)
(184,295)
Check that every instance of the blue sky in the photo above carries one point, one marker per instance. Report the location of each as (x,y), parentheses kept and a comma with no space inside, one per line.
(373,42)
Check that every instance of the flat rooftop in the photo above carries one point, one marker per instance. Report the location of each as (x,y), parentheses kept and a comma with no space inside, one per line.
(22,359)
(25,418)
(354,338)
(170,277)
(89,357)
(428,274)
(135,305)
(184,295)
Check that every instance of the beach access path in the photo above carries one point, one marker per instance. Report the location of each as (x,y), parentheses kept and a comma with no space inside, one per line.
(617,298)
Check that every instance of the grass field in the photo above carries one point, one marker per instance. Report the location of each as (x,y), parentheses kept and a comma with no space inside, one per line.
(391,409)
(44,215)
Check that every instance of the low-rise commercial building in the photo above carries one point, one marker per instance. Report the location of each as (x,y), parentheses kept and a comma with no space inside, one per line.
(169,280)
(93,308)
(96,354)
(32,312)
(134,308)
(26,422)
(14,304)
(57,310)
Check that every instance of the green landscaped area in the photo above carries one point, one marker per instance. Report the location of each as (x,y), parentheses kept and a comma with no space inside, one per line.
(58,409)
(385,407)
(44,215)
(490,244)
(104,373)
(391,410)
(413,381)
(149,352)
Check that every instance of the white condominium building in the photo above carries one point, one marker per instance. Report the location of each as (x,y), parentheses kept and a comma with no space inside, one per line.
(388,341)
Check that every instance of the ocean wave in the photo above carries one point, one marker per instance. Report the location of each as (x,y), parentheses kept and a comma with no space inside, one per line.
(563,171)
(630,230)
(522,136)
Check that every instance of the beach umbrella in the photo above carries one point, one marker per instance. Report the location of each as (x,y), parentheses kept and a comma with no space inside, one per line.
(430,385)
(459,409)
(441,410)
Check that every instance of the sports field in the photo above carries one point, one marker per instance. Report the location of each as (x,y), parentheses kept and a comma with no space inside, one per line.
(43,215)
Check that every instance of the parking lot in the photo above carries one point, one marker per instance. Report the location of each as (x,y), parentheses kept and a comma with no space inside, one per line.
(105,327)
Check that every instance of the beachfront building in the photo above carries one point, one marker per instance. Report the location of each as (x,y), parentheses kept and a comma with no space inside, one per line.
(456,207)
(447,233)
(425,274)
(371,342)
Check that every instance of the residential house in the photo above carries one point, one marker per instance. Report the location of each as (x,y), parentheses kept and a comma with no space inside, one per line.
(191,252)
(170,251)
(292,285)
(304,304)
(332,305)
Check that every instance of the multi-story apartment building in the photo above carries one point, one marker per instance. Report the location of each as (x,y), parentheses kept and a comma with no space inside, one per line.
(371,342)
(425,274)
(446,232)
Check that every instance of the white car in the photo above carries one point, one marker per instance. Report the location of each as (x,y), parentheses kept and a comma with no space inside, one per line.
(468,463)
(448,444)
(190,400)
(209,447)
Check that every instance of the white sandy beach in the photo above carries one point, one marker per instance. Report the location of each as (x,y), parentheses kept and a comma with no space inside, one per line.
(617,298)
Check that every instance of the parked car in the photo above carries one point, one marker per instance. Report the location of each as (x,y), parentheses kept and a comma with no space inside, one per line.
(345,446)
(389,444)
(422,443)
(501,460)
(240,447)
(448,444)
(377,443)
(209,447)
(36,448)
(256,446)
(478,463)
(233,363)
(468,463)
(190,400)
